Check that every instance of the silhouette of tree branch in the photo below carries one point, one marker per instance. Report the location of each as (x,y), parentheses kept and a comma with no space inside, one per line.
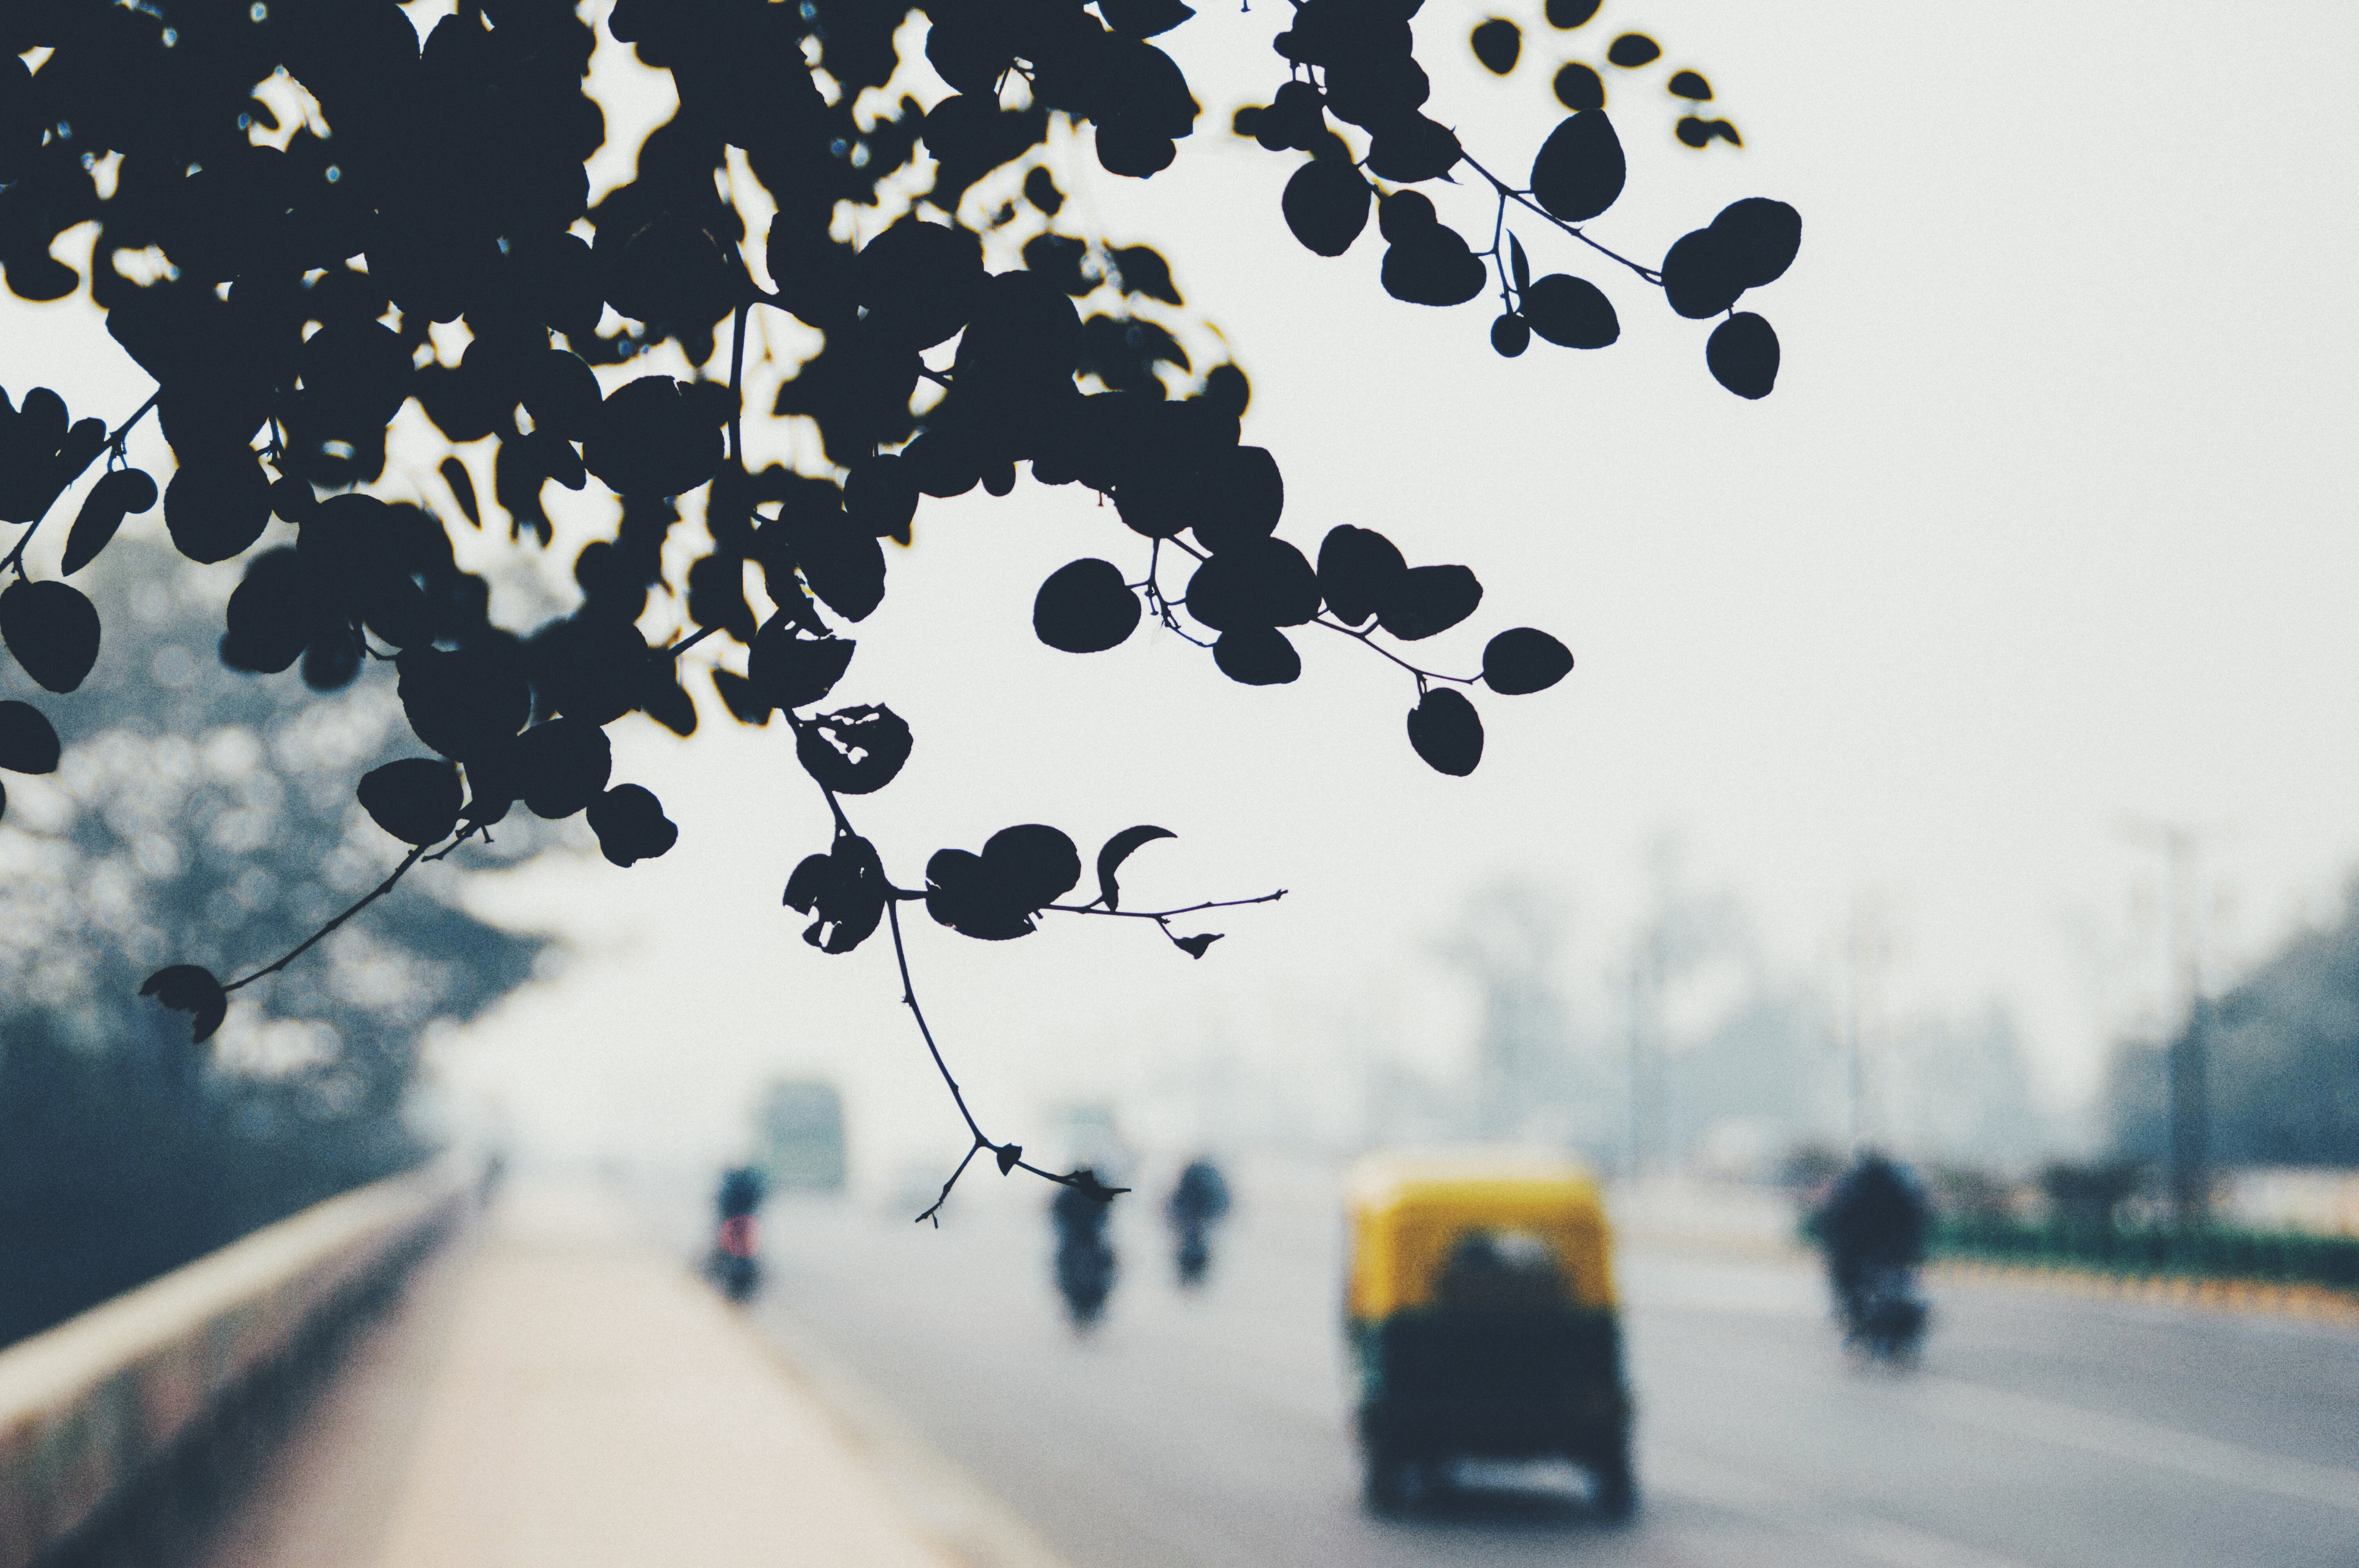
(112,446)
(312,941)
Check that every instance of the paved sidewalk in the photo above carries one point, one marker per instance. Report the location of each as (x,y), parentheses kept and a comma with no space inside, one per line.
(562,1394)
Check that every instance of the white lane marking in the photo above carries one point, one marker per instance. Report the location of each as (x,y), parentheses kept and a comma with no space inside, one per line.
(2140,1443)
(1878,1540)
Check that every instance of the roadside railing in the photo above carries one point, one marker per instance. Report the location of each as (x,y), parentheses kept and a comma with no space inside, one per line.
(92,1410)
(2210,1253)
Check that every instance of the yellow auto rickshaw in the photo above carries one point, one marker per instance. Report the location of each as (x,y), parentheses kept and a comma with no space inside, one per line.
(1481,1314)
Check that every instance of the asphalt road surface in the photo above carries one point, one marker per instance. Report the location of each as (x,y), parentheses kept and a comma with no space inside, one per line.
(1213,1429)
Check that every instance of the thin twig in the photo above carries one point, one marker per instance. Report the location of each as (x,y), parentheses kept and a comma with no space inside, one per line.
(1367,637)
(736,396)
(113,443)
(1523,199)
(383,888)
(1091,907)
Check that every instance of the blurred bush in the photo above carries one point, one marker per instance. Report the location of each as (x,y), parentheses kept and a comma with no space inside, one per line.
(208,817)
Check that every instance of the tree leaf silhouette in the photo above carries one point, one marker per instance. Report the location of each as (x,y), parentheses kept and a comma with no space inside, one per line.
(1581,169)
(1571,313)
(115,496)
(1498,44)
(1632,50)
(1760,238)
(52,630)
(1570,14)
(792,670)
(561,767)
(1326,205)
(1427,601)
(1256,655)
(1579,87)
(1447,733)
(857,751)
(1742,355)
(1523,660)
(186,987)
(1690,85)
(1358,570)
(1085,608)
(630,826)
(416,799)
(1194,946)
(1119,848)
(28,744)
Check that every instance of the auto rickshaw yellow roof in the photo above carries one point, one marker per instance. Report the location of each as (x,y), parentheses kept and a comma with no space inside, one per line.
(1516,1176)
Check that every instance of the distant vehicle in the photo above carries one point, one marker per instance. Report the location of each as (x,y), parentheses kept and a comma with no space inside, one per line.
(1483,1318)
(798,1136)
(1197,1203)
(1085,1259)
(1088,1134)
(735,1262)
(1873,1225)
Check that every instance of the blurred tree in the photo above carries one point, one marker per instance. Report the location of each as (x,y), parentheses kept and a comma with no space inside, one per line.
(195,811)
(308,213)
(2283,1056)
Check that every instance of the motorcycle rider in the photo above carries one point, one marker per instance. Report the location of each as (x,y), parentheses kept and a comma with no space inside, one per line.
(1197,1203)
(735,1262)
(1873,1225)
(1086,1260)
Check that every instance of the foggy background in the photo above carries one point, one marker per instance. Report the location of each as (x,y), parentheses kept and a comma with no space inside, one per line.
(2045,537)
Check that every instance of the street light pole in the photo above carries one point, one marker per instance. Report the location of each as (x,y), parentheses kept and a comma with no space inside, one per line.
(2187,1066)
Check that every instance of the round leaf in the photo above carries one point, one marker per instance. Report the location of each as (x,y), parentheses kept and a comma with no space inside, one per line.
(52,630)
(1524,660)
(630,826)
(187,988)
(791,671)
(1742,355)
(1511,335)
(1632,50)
(1571,313)
(28,742)
(1085,608)
(1700,278)
(417,799)
(1447,733)
(1426,600)
(1579,87)
(1580,170)
(1761,238)
(1257,656)
(857,751)
(561,767)
(217,504)
(1498,44)
(1326,205)
(1358,568)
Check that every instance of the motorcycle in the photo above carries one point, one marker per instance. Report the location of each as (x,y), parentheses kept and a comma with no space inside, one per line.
(1195,1205)
(1085,1259)
(734,1263)
(1884,1317)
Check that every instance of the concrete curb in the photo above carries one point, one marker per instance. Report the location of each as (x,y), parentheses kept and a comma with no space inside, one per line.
(2313,1304)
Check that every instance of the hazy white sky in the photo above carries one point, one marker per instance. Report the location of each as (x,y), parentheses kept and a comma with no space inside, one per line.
(2047,525)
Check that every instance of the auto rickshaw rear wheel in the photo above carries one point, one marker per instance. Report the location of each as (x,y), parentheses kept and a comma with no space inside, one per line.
(1387,1481)
(1616,1493)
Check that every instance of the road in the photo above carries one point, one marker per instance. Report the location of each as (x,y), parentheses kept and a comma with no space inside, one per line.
(1208,1430)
